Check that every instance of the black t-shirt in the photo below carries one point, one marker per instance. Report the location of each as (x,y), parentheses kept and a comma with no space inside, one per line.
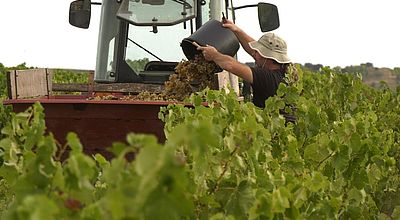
(265,84)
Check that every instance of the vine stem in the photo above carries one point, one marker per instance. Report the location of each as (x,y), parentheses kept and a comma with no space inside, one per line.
(322,161)
(225,168)
(61,152)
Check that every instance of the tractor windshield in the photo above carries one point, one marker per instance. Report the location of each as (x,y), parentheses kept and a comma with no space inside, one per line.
(158,13)
(156,30)
(164,46)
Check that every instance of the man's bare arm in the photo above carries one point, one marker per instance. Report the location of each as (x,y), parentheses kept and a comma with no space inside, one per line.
(227,63)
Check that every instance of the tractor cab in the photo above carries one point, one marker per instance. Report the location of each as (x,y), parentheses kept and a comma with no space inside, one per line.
(139,40)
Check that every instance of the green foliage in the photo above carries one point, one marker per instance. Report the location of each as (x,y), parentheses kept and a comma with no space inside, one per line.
(226,160)
(373,76)
(5,196)
(396,70)
(3,81)
(67,76)
(138,65)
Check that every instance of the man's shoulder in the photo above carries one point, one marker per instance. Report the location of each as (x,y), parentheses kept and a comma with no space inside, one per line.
(265,73)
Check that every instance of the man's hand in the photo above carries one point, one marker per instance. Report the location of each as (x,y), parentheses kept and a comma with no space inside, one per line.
(209,52)
(229,24)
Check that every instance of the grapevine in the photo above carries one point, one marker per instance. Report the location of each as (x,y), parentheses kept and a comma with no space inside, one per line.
(229,160)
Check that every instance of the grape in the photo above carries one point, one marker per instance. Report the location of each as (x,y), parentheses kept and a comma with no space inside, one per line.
(190,76)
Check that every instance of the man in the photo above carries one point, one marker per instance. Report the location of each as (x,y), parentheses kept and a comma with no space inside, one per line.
(271,59)
(270,55)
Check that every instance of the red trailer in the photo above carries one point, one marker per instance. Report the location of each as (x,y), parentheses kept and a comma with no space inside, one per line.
(97,123)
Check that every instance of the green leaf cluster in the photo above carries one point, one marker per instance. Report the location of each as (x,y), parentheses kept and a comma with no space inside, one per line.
(223,159)
(68,76)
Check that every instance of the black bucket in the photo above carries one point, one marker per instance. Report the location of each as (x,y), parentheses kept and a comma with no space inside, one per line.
(214,34)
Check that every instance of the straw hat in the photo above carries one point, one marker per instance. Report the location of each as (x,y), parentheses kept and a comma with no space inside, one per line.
(271,46)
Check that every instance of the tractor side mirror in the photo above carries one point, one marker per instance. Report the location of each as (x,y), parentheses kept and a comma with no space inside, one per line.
(268,16)
(79,13)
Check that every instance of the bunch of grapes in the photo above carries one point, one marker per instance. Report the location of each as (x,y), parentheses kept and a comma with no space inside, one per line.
(103,97)
(190,76)
(144,96)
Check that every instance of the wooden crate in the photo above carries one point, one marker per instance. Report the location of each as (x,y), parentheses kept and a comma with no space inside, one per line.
(29,83)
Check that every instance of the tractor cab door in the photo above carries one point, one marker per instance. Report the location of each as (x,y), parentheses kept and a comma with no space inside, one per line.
(139,41)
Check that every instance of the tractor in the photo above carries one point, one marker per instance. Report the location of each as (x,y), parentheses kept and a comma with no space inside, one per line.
(139,46)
